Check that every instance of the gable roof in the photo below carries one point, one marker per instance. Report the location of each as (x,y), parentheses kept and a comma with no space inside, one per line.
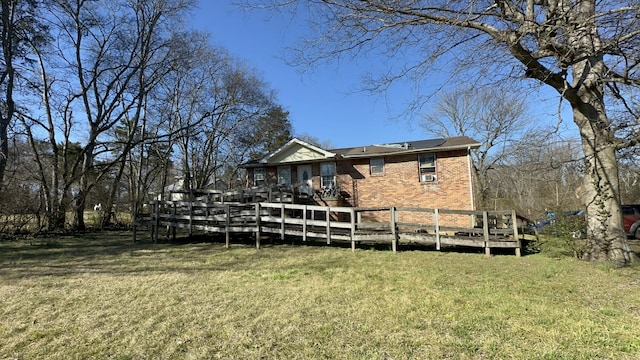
(298,151)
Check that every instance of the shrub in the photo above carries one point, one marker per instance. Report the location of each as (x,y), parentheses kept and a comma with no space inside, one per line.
(564,237)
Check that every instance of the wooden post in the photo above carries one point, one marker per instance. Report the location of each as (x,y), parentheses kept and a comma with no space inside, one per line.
(175,212)
(394,233)
(282,221)
(436,222)
(135,220)
(152,214)
(227,224)
(169,224)
(257,225)
(156,221)
(352,217)
(485,230)
(514,220)
(304,223)
(190,216)
(328,218)
(134,233)
(190,212)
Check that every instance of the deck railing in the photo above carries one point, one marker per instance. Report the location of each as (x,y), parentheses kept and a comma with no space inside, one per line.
(486,229)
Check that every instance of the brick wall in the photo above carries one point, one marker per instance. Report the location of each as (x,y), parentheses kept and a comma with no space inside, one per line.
(400,185)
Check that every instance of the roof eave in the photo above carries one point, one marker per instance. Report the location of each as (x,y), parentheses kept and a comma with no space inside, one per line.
(415,151)
(325,153)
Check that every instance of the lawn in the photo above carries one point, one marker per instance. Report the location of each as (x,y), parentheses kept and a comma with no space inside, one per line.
(99,296)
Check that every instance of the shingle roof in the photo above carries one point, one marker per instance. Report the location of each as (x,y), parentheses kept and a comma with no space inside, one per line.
(453,143)
(390,149)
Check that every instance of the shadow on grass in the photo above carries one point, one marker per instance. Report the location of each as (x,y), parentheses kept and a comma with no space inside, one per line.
(98,252)
(116,254)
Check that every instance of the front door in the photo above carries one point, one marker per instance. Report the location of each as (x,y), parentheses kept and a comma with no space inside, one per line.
(304,180)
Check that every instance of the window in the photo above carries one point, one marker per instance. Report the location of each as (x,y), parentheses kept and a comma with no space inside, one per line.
(328,175)
(427,167)
(284,175)
(376,166)
(259,176)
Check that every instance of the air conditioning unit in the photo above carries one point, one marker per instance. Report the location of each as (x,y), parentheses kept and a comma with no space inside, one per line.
(427,178)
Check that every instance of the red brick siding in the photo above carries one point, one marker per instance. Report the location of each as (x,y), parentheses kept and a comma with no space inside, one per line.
(399,185)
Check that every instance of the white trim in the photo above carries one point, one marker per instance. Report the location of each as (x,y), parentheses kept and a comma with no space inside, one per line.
(413,151)
(263,173)
(334,174)
(293,142)
(421,177)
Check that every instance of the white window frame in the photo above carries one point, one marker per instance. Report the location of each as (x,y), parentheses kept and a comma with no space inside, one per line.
(376,166)
(259,176)
(426,165)
(328,175)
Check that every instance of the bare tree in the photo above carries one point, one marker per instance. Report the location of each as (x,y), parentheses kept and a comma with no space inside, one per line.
(500,123)
(107,57)
(18,24)
(211,102)
(585,50)
(542,176)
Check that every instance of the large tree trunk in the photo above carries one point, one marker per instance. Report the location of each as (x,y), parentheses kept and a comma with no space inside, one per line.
(606,239)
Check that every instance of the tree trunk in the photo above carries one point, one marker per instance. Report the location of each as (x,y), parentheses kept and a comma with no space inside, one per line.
(606,239)
(7,82)
(113,194)
(4,148)
(79,210)
(81,198)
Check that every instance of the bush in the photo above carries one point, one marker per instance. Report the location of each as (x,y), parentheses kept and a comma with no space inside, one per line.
(563,237)
(560,246)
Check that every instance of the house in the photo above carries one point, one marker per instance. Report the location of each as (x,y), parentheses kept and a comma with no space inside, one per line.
(435,173)
(176,191)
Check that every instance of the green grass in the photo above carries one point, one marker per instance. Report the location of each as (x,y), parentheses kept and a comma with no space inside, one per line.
(101,297)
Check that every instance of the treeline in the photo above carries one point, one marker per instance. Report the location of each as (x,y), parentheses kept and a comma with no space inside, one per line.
(549,175)
(113,101)
(108,101)
(524,163)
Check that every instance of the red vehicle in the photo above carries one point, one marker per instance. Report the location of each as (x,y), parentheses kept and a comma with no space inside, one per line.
(631,220)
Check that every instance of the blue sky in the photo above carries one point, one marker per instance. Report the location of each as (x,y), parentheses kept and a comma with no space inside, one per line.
(326,102)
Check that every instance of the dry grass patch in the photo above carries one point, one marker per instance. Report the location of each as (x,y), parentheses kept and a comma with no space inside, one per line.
(100,296)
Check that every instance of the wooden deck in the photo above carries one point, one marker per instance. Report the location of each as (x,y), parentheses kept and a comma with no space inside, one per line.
(439,227)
